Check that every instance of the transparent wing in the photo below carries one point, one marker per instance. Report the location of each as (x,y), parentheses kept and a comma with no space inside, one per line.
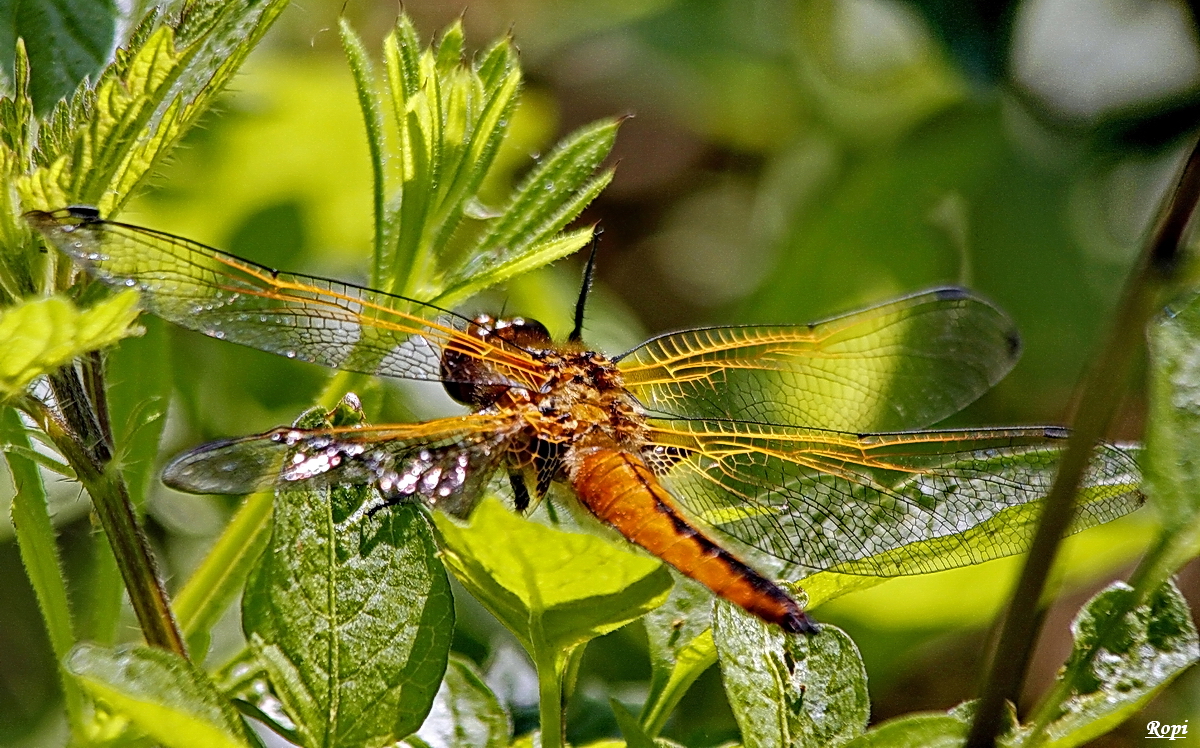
(306,318)
(905,364)
(442,462)
(882,504)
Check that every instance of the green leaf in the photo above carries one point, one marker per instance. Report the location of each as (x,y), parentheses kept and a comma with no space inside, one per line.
(681,648)
(67,41)
(434,239)
(790,690)
(554,590)
(39,554)
(635,737)
(351,617)
(465,714)
(16,109)
(1153,644)
(100,145)
(1172,455)
(488,270)
(557,588)
(38,336)
(368,101)
(916,731)
(551,195)
(824,586)
(164,695)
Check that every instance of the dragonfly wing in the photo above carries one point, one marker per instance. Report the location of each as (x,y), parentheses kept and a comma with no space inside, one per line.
(302,317)
(901,365)
(443,462)
(882,504)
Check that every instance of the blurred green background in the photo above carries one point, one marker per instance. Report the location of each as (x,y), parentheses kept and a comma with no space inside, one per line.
(787,160)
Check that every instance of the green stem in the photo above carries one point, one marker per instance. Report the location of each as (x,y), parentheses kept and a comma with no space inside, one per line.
(1101,392)
(551,668)
(219,578)
(39,554)
(89,456)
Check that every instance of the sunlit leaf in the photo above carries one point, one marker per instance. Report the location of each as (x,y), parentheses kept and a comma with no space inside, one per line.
(1151,645)
(102,143)
(351,617)
(1172,456)
(490,270)
(551,195)
(557,587)
(790,690)
(164,695)
(39,336)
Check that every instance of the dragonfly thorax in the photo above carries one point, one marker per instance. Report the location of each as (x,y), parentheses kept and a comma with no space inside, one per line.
(582,401)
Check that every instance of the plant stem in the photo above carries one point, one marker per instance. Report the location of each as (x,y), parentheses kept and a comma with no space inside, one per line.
(78,436)
(551,667)
(1101,392)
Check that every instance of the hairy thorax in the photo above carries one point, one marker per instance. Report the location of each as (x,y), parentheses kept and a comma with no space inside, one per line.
(582,404)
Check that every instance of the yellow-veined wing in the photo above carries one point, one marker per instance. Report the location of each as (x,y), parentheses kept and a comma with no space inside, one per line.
(302,317)
(443,463)
(905,364)
(880,504)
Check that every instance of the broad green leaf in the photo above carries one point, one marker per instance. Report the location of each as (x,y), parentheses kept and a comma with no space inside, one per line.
(1154,643)
(790,690)
(350,616)
(165,696)
(681,648)
(41,335)
(559,588)
(465,714)
(66,42)
(1172,455)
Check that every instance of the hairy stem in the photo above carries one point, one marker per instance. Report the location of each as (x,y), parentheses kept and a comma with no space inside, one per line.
(79,437)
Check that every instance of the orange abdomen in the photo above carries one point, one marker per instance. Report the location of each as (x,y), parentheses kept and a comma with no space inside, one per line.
(618,488)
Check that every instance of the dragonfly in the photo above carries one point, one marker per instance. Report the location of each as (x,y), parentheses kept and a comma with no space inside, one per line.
(720,450)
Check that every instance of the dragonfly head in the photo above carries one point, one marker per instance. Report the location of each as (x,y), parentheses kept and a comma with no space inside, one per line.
(470,379)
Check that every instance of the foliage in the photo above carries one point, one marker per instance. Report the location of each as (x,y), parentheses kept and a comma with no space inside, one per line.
(348,616)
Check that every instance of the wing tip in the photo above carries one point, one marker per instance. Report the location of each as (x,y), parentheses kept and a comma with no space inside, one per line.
(952,293)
